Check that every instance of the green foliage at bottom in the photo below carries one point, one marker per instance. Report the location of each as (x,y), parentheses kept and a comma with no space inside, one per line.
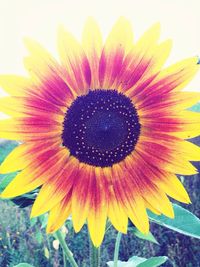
(140,262)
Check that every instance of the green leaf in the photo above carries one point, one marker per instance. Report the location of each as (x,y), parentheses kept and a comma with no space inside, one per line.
(33,221)
(39,237)
(43,220)
(140,262)
(148,237)
(121,264)
(184,222)
(153,262)
(23,264)
(136,260)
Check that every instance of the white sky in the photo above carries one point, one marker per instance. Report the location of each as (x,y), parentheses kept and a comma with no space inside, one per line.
(39,19)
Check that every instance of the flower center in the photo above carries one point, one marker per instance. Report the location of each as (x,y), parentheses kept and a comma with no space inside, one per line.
(101,128)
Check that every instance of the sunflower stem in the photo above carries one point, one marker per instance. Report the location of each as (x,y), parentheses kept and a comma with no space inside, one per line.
(94,255)
(65,249)
(117,244)
(64,260)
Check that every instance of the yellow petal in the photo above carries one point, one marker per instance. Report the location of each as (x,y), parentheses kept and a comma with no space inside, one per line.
(20,157)
(120,35)
(181,73)
(116,213)
(143,58)
(35,175)
(92,45)
(149,66)
(59,214)
(189,151)
(11,106)
(149,38)
(151,208)
(15,161)
(20,107)
(81,197)
(76,67)
(190,125)
(158,200)
(98,210)
(15,85)
(175,146)
(170,184)
(47,75)
(117,44)
(131,201)
(173,103)
(56,188)
(40,63)
(26,130)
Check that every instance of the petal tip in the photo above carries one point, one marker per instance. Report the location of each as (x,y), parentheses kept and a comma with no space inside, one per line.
(26,40)
(187,199)
(124,230)
(30,43)
(32,215)
(90,20)
(155,28)
(61,29)
(123,19)
(144,228)
(171,216)
(77,225)
(157,25)
(50,229)
(123,23)
(6,194)
(5,168)
(169,43)
(35,211)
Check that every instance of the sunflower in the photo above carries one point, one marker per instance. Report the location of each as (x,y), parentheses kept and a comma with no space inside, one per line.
(102,132)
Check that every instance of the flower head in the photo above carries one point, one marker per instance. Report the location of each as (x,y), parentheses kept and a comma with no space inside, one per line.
(103,132)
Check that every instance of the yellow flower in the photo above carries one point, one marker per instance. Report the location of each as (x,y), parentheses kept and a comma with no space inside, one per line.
(103,132)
